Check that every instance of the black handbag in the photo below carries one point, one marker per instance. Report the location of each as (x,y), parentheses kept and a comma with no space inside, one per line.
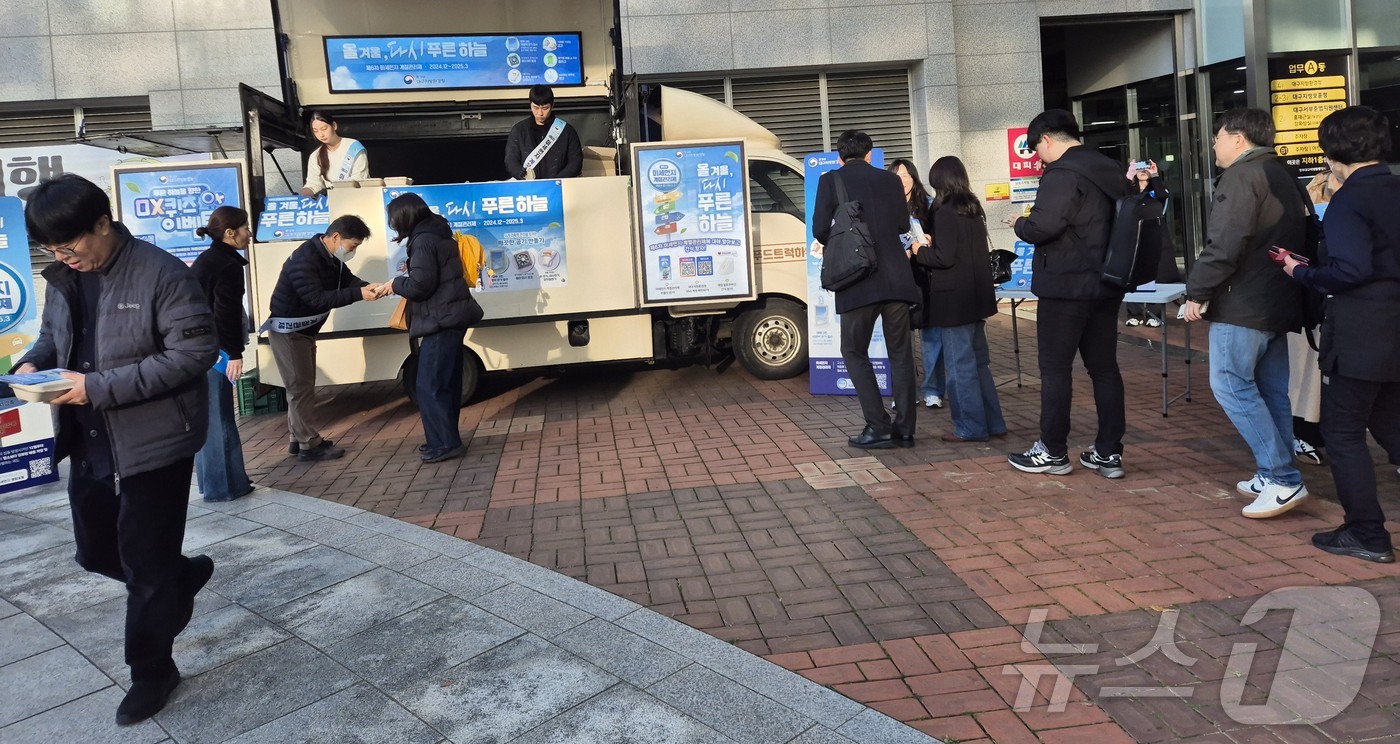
(1001,261)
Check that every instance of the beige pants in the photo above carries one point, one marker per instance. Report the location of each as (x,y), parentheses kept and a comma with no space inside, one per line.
(295,355)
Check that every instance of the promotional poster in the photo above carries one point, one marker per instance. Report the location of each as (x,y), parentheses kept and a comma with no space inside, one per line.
(379,63)
(293,218)
(520,225)
(26,429)
(693,226)
(165,204)
(827,372)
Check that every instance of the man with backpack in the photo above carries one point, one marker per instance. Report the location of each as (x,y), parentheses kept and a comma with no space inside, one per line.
(1251,303)
(1078,311)
(886,293)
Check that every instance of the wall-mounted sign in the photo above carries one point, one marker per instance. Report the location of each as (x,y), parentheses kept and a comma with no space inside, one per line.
(1303,89)
(364,64)
(1023,162)
(998,191)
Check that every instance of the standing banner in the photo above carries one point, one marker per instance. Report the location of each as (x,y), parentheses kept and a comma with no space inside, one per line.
(164,204)
(520,225)
(693,222)
(26,429)
(826,371)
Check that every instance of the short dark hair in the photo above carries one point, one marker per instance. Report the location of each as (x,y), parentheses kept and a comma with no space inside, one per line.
(405,212)
(1355,134)
(221,220)
(853,144)
(541,95)
(1058,123)
(349,226)
(1256,125)
(63,208)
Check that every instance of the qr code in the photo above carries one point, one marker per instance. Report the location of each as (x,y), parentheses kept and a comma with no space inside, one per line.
(40,468)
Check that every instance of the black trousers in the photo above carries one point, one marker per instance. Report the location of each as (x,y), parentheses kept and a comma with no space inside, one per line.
(1089,327)
(134,537)
(1349,408)
(857,328)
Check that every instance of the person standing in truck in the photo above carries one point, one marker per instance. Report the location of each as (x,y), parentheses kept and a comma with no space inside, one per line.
(337,159)
(543,145)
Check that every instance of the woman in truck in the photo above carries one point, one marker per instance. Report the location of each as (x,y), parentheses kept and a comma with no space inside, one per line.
(440,310)
(337,159)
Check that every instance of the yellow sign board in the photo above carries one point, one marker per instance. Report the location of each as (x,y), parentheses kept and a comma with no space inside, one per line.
(1309,83)
(1302,148)
(998,191)
(1304,115)
(1302,135)
(1309,96)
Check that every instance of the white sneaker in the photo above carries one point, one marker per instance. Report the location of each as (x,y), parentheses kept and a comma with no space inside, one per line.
(1306,452)
(933,401)
(1275,500)
(1154,323)
(1252,487)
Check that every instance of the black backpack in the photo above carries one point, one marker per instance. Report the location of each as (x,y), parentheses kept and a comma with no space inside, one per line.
(1135,238)
(849,253)
(1311,249)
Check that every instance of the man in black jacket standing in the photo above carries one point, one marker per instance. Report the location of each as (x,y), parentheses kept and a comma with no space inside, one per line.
(543,145)
(1078,311)
(133,420)
(886,294)
(314,281)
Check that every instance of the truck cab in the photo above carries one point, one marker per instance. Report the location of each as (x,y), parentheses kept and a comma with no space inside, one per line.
(454,135)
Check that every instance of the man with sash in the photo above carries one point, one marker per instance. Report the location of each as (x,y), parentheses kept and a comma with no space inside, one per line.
(543,145)
(314,281)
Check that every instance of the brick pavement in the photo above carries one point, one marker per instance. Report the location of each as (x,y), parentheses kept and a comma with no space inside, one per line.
(902,581)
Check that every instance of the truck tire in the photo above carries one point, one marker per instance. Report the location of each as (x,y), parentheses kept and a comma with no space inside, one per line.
(771,340)
(471,376)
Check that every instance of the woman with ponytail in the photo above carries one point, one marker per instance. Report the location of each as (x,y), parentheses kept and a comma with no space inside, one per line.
(337,159)
(220,273)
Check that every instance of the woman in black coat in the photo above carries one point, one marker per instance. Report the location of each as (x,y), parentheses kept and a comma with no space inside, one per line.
(220,272)
(960,299)
(440,310)
(930,337)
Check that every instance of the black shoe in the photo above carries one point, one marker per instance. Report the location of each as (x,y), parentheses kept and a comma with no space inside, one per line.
(422,449)
(293,448)
(196,575)
(1341,541)
(904,440)
(1037,459)
(323,451)
(146,699)
(868,439)
(438,455)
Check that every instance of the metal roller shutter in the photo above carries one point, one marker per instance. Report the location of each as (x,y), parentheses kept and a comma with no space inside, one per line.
(876,102)
(790,107)
(27,125)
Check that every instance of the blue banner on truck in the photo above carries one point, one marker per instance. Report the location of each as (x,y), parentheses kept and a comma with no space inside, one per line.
(293,218)
(378,63)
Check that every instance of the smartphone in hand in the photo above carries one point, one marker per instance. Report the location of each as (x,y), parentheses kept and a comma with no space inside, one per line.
(1279,254)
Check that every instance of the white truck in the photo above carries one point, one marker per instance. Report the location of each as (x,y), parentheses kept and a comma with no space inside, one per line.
(437,136)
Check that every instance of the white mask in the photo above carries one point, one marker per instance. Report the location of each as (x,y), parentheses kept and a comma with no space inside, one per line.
(344,254)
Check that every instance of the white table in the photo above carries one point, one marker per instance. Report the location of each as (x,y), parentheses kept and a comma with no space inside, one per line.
(1161,295)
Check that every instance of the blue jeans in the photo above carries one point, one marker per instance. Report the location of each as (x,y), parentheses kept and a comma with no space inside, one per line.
(1249,376)
(439,386)
(931,339)
(219,464)
(972,395)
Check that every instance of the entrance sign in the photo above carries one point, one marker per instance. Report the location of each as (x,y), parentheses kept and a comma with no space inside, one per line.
(1303,90)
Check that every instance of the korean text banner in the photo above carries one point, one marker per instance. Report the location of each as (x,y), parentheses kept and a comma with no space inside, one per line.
(293,218)
(827,372)
(378,63)
(520,225)
(26,429)
(692,219)
(165,204)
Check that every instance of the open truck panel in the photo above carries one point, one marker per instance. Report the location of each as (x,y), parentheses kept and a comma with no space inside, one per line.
(452,136)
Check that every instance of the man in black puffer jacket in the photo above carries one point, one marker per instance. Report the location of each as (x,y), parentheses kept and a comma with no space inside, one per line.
(1069,226)
(314,281)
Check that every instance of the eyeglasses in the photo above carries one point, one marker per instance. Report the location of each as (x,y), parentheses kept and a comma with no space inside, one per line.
(1215,137)
(65,251)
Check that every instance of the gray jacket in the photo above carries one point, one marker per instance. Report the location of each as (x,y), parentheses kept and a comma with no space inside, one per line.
(1234,272)
(155,341)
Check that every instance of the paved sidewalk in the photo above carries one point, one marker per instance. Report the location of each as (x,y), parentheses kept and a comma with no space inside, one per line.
(902,579)
(326,623)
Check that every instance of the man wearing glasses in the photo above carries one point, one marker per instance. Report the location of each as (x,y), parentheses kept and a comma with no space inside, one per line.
(131,323)
(1251,303)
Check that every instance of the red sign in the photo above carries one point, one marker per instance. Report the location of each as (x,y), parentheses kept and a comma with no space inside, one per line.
(9,423)
(1024,163)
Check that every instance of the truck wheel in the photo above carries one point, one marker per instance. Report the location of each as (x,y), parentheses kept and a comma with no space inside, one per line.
(471,376)
(771,340)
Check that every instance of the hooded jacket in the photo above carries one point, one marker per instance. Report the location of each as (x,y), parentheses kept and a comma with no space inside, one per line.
(438,294)
(313,282)
(1070,223)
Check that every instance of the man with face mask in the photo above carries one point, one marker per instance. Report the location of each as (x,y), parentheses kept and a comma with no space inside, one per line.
(314,281)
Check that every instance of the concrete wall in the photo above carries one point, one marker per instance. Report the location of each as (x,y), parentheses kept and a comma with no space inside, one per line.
(188,56)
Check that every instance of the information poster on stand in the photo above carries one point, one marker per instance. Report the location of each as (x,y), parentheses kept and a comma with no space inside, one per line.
(520,225)
(164,204)
(693,222)
(26,429)
(827,372)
